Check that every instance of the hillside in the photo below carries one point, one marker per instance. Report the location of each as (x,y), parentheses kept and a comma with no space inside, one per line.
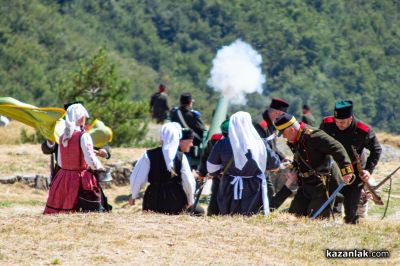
(313,51)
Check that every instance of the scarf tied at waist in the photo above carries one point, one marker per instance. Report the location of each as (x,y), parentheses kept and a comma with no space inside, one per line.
(237,183)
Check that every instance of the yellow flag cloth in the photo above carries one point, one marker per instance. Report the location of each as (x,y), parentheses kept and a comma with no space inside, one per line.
(100,133)
(48,121)
(42,119)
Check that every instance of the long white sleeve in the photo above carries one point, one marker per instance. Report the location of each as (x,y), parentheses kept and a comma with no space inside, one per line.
(188,182)
(212,168)
(88,152)
(139,175)
(59,156)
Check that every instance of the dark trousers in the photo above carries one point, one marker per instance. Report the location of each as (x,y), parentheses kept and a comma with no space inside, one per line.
(279,198)
(333,184)
(308,199)
(349,197)
(270,189)
(213,205)
(352,194)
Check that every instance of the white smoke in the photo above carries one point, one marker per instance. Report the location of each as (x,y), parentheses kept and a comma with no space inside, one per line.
(237,71)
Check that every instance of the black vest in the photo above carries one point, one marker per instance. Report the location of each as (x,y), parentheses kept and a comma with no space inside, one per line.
(158,174)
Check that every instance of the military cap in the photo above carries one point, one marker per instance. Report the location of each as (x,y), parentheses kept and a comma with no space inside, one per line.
(343,109)
(187,133)
(279,104)
(225,126)
(284,121)
(186,98)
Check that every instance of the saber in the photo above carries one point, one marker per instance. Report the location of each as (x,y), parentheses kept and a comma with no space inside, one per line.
(341,185)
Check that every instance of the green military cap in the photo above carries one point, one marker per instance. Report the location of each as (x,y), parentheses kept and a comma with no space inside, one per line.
(225,126)
(343,109)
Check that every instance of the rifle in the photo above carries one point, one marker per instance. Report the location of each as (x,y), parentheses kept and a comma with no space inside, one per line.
(197,195)
(375,197)
(200,189)
(385,179)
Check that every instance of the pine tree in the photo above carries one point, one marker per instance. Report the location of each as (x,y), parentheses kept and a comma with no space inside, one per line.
(96,83)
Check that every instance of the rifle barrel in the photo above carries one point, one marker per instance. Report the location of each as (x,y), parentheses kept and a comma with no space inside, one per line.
(385,179)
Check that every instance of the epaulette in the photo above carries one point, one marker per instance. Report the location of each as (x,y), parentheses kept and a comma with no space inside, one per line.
(308,131)
(362,126)
(196,113)
(216,136)
(328,119)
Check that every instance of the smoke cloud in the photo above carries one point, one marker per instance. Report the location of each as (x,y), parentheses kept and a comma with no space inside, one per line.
(237,71)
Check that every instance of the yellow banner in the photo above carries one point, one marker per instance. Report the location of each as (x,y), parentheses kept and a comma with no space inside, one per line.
(42,119)
(100,133)
(48,121)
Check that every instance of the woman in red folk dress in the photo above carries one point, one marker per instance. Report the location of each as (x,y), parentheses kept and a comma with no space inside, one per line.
(76,159)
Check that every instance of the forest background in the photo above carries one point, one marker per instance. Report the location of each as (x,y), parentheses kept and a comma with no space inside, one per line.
(113,54)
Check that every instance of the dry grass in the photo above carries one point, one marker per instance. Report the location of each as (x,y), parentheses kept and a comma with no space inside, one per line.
(127,236)
(382,170)
(10,135)
(388,138)
(28,158)
(124,154)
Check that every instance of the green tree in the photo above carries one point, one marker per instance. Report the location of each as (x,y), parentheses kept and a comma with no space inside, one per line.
(96,83)
(314,51)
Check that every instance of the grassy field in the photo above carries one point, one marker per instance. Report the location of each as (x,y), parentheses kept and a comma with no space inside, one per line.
(389,139)
(129,237)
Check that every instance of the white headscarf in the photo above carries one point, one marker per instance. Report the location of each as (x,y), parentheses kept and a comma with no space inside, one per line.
(74,113)
(170,134)
(243,137)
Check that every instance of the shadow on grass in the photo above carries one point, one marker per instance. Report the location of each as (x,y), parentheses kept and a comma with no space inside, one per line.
(125,198)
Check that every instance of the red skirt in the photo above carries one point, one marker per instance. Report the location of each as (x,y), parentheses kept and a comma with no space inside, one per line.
(63,193)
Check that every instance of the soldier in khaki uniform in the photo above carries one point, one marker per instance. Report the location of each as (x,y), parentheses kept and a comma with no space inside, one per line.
(312,149)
